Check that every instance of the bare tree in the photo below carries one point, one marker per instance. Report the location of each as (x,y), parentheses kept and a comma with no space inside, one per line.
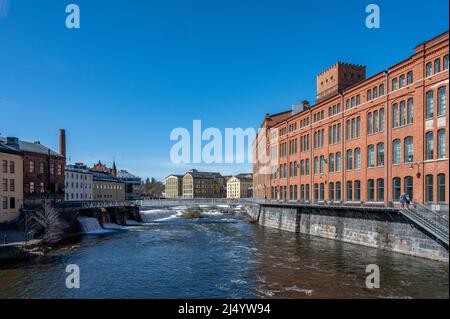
(48,221)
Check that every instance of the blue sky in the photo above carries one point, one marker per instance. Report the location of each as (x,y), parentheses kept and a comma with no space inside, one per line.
(137,69)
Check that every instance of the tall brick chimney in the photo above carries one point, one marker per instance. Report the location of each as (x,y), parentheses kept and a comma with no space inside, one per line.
(62,142)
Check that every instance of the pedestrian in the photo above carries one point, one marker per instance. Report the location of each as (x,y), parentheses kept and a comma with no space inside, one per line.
(407,200)
(402,200)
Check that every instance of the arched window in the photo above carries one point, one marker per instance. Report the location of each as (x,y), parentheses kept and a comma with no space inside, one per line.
(302,192)
(338,191)
(349,159)
(316,192)
(408,186)
(322,191)
(338,162)
(370,156)
(307,192)
(429,188)
(358,126)
(331,165)
(402,113)
(408,151)
(430,105)
(331,191)
(375,122)
(357,191)
(316,165)
(395,115)
(381,120)
(441,188)
(380,190)
(442,101)
(347,130)
(380,154)
(397,151)
(322,164)
(370,190)
(441,143)
(429,69)
(369,124)
(396,187)
(410,111)
(349,191)
(429,150)
(437,66)
(357,158)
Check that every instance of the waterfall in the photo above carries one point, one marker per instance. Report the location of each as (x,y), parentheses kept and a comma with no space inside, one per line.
(152,215)
(90,225)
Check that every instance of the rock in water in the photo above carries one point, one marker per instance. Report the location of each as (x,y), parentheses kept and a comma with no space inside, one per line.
(191,214)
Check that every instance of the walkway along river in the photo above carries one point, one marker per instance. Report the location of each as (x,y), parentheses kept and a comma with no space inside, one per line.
(220,256)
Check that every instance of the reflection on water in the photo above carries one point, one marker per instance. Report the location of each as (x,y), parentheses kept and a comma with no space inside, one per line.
(221,256)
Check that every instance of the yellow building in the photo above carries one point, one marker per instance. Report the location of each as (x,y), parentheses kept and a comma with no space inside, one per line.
(11,183)
(240,186)
(107,188)
(174,186)
(202,185)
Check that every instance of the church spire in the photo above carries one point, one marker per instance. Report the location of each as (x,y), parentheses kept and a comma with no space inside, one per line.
(114,168)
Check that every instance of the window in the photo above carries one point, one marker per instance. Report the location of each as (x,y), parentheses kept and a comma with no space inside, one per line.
(358,100)
(441,144)
(349,191)
(430,105)
(5,166)
(410,111)
(349,159)
(322,191)
(369,124)
(307,166)
(397,151)
(369,95)
(409,77)
(339,132)
(338,191)
(441,188)
(331,163)
(442,103)
(408,151)
(302,192)
(307,192)
(375,92)
(338,161)
(59,169)
(429,188)
(31,167)
(380,190)
(408,186)
(429,69)
(381,120)
(446,62)
(402,80)
(375,122)
(331,191)
(357,191)
(437,66)
(5,185)
(429,149)
(380,154)
(357,158)
(358,126)
(353,127)
(353,102)
(12,202)
(12,168)
(394,84)
(402,113)
(5,202)
(396,187)
(347,130)
(395,115)
(316,165)
(31,187)
(12,185)
(370,156)
(381,90)
(316,192)
(322,164)
(370,190)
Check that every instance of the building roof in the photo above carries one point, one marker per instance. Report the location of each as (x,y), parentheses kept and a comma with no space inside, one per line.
(243,177)
(174,175)
(27,147)
(197,174)
(6,149)
(105,177)
(79,168)
(125,174)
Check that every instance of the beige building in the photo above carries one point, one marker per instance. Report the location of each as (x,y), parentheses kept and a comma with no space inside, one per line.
(174,186)
(107,188)
(203,185)
(11,187)
(240,186)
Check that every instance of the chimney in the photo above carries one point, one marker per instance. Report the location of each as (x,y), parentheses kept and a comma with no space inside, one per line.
(12,142)
(62,142)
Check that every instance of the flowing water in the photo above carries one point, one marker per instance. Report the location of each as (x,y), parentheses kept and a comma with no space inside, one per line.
(219,256)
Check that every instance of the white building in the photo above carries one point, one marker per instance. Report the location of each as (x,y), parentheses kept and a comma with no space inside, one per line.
(78,180)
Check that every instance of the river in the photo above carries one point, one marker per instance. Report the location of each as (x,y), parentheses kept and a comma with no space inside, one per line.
(220,256)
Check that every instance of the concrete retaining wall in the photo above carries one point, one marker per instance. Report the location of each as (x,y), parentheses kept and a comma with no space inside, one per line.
(378,229)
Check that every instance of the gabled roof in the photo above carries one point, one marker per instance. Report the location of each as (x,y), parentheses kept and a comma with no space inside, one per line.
(6,149)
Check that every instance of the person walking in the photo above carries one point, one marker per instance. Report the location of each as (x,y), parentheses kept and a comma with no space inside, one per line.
(402,200)
(407,200)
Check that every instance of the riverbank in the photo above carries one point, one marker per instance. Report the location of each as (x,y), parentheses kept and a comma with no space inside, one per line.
(385,230)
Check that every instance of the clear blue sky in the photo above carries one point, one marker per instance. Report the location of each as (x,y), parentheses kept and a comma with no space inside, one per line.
(137,69)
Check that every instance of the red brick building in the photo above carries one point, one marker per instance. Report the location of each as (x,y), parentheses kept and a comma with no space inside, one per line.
(365,139)
(43,168)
